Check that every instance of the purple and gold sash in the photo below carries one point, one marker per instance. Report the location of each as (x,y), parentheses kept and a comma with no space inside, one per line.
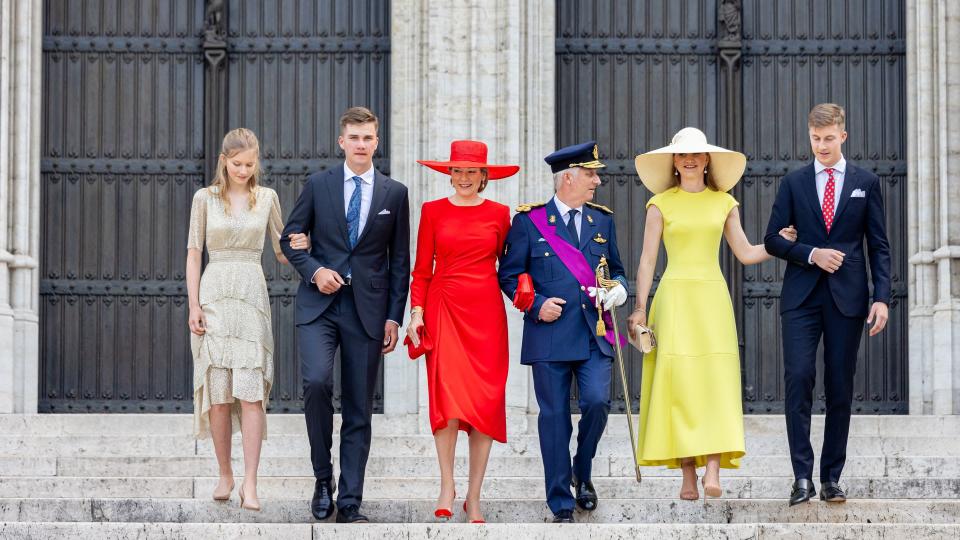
(573,260)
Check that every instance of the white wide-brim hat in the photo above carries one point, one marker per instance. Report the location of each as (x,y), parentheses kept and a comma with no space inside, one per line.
(656,169)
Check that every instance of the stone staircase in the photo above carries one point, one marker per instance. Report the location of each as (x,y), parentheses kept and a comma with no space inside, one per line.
(143,476)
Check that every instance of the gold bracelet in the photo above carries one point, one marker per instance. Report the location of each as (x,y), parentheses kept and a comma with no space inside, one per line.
(416,309)
(644,310)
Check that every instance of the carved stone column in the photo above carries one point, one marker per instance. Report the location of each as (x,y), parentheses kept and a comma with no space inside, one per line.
(481,70)
(933,121)
(20,70)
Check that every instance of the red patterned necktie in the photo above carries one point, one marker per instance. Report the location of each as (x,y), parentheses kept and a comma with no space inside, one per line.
(828,199)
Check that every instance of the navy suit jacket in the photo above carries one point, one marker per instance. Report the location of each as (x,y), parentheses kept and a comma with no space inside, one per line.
(379,263)
(567,338)
(855,219)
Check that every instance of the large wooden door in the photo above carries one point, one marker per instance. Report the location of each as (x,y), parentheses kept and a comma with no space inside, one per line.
(137,95)
(631,74)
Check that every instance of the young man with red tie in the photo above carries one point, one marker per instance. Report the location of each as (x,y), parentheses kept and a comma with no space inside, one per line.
(836,206)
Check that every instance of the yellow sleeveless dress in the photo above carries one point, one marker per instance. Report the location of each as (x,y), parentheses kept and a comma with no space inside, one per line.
(690,402)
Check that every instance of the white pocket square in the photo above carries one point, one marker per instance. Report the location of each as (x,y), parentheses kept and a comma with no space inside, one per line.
(383,212)
(858,193)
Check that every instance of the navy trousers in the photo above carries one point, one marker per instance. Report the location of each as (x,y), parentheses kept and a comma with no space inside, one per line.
(339,326)
(802,329)
(551,381)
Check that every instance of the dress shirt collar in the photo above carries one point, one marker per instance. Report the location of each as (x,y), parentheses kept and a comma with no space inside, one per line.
(840,166)
(563,208)
(366,177)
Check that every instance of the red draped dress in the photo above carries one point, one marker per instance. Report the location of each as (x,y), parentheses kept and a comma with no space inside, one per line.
(455,281)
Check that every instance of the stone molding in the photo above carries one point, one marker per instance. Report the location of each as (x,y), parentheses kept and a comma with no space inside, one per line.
(20,76)
(933,118)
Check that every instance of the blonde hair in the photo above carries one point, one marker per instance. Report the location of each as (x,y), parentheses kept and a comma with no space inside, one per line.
(826,115)
(234,142)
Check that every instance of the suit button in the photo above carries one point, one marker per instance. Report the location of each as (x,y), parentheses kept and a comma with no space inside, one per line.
(584,306)
(547,254)
(582,288)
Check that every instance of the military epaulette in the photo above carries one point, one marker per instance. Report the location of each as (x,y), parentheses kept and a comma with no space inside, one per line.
(600,207)
(529,206)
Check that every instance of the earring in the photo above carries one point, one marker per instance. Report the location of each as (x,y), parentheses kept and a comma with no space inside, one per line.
(704,170)
(676,172)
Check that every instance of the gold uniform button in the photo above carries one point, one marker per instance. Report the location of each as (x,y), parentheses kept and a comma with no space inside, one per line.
(547,254)
(584,306)
(582,288)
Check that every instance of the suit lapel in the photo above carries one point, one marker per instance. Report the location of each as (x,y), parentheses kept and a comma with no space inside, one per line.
(586,227)
(380,189)
(849,184)
(810,189)
(335,188)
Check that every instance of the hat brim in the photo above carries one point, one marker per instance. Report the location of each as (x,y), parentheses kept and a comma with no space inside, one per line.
(655,168)
(494,172)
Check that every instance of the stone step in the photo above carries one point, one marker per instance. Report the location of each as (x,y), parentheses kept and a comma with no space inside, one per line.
(527,488)
(419,531)
(410,466)
(666,511)
(406,424)
(423,445)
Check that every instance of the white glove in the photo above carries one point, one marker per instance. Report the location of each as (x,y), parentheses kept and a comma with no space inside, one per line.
(615,297)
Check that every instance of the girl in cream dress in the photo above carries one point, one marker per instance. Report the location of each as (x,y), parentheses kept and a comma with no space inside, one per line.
(232,339)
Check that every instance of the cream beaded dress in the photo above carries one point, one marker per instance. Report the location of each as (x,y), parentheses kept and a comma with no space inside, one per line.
(233,360)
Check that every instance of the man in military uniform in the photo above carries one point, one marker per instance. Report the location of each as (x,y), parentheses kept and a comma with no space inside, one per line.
(559,244)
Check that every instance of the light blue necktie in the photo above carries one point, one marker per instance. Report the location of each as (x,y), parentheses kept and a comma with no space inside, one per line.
(353,213)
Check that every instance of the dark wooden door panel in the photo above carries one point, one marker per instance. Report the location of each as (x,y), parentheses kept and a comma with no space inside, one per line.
(128,108)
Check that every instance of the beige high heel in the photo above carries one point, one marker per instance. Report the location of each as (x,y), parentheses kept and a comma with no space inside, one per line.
(224,496)
(244,505)
(712,490)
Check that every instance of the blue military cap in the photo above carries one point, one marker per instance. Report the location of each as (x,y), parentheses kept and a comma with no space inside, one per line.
(584,155)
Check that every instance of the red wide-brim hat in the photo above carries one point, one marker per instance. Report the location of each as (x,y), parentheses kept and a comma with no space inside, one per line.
(467,154)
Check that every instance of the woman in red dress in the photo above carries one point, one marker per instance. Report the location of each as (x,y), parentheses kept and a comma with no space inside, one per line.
(458,307)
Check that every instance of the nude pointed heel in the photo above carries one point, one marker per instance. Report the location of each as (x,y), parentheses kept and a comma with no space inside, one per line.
(713,491)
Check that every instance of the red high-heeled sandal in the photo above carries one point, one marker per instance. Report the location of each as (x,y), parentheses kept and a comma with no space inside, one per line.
(444,513)
(473,520)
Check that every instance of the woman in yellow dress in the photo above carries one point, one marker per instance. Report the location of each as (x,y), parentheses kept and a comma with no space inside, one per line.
(690,403)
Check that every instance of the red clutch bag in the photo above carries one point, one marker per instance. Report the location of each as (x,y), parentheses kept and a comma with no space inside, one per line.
(425,344)
(523,298)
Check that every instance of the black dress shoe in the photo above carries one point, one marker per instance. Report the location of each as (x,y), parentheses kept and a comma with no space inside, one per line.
(831,492)
(586,494)
(321,506)
(802,491)
(563,516)
(351,514)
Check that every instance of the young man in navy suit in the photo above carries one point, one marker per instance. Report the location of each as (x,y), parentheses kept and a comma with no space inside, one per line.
(835,206)
(351,297)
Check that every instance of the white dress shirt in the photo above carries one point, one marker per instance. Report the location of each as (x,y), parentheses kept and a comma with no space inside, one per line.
(822,177)
(565,214)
